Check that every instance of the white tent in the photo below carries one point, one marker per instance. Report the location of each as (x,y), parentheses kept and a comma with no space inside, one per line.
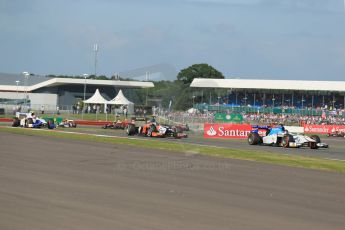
(120,99)
(96,99)
(192,110)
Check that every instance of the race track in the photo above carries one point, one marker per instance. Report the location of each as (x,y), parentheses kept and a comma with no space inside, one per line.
(336,150)
(49,183)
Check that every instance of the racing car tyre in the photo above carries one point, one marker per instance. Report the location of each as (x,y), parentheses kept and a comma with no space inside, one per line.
(178,129)
(254,138)
(313,145)
(16,122)
(175,132)
(316,138)
(286,140)
(176,135)
(130,130)
(50,124)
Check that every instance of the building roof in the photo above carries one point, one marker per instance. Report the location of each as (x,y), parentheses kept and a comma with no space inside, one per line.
(11,78)
(71,81)
(298,85)
(10,85)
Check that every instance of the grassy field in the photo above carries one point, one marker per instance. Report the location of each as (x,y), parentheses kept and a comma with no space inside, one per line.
(259,156)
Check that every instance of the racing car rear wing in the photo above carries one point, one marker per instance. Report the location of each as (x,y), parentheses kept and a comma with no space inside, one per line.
(291,129)
(261,126)
(294,129)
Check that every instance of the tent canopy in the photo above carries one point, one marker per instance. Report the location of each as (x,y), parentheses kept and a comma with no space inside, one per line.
(120,99)
(96,99)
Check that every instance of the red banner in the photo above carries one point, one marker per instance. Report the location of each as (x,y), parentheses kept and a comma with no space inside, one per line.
(226,131)
(241,131)
(323,129)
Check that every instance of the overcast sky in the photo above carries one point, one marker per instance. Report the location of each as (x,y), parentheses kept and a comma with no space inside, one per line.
(265,39)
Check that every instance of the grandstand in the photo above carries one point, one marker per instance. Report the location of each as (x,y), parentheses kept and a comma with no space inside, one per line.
(272,96)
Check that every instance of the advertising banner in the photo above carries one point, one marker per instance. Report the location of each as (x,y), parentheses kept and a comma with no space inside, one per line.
(226,130)
(323,129)
(240,131)
(230,118)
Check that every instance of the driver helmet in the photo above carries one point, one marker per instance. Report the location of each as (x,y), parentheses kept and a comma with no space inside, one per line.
(282,127)
(153,120)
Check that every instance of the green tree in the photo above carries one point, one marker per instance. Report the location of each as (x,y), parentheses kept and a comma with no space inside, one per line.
(198,71)
(101,77)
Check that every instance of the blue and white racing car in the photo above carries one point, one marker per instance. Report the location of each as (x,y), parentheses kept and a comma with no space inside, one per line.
(28,120)
(280,136)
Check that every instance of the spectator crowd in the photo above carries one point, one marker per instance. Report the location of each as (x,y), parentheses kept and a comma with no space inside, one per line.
(336,118)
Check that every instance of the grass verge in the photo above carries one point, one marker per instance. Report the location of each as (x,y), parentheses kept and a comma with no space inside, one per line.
(259,156)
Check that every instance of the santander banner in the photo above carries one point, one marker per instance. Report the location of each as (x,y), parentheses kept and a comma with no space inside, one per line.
(323,129)
(226,130)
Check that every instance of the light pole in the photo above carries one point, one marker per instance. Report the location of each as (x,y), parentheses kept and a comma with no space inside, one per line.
(85,75)
(288,100)
(245,99)
(26,78)
(95,49)
(147,89)
(193,100)
(302,102)
(17,82)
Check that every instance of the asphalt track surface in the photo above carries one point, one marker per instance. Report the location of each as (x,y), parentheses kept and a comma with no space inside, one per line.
(49,183)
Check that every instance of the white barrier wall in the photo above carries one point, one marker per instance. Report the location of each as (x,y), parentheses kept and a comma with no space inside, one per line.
(49,100)
(37,99)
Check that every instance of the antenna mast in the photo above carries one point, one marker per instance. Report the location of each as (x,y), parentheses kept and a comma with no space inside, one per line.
(95,49)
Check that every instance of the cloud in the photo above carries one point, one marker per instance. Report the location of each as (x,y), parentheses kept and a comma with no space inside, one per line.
(299,5)
(235,2)
(218,29)
(306,5)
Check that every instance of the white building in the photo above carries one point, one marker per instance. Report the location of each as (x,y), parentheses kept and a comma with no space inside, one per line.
(35,91)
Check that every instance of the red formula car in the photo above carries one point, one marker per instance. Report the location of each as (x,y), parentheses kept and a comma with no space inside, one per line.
(116,125)
(153,129)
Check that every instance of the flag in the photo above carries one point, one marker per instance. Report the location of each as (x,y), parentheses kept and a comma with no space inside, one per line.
(170,104)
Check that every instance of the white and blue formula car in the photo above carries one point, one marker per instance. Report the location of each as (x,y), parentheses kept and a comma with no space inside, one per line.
(28,120)
(280,136)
